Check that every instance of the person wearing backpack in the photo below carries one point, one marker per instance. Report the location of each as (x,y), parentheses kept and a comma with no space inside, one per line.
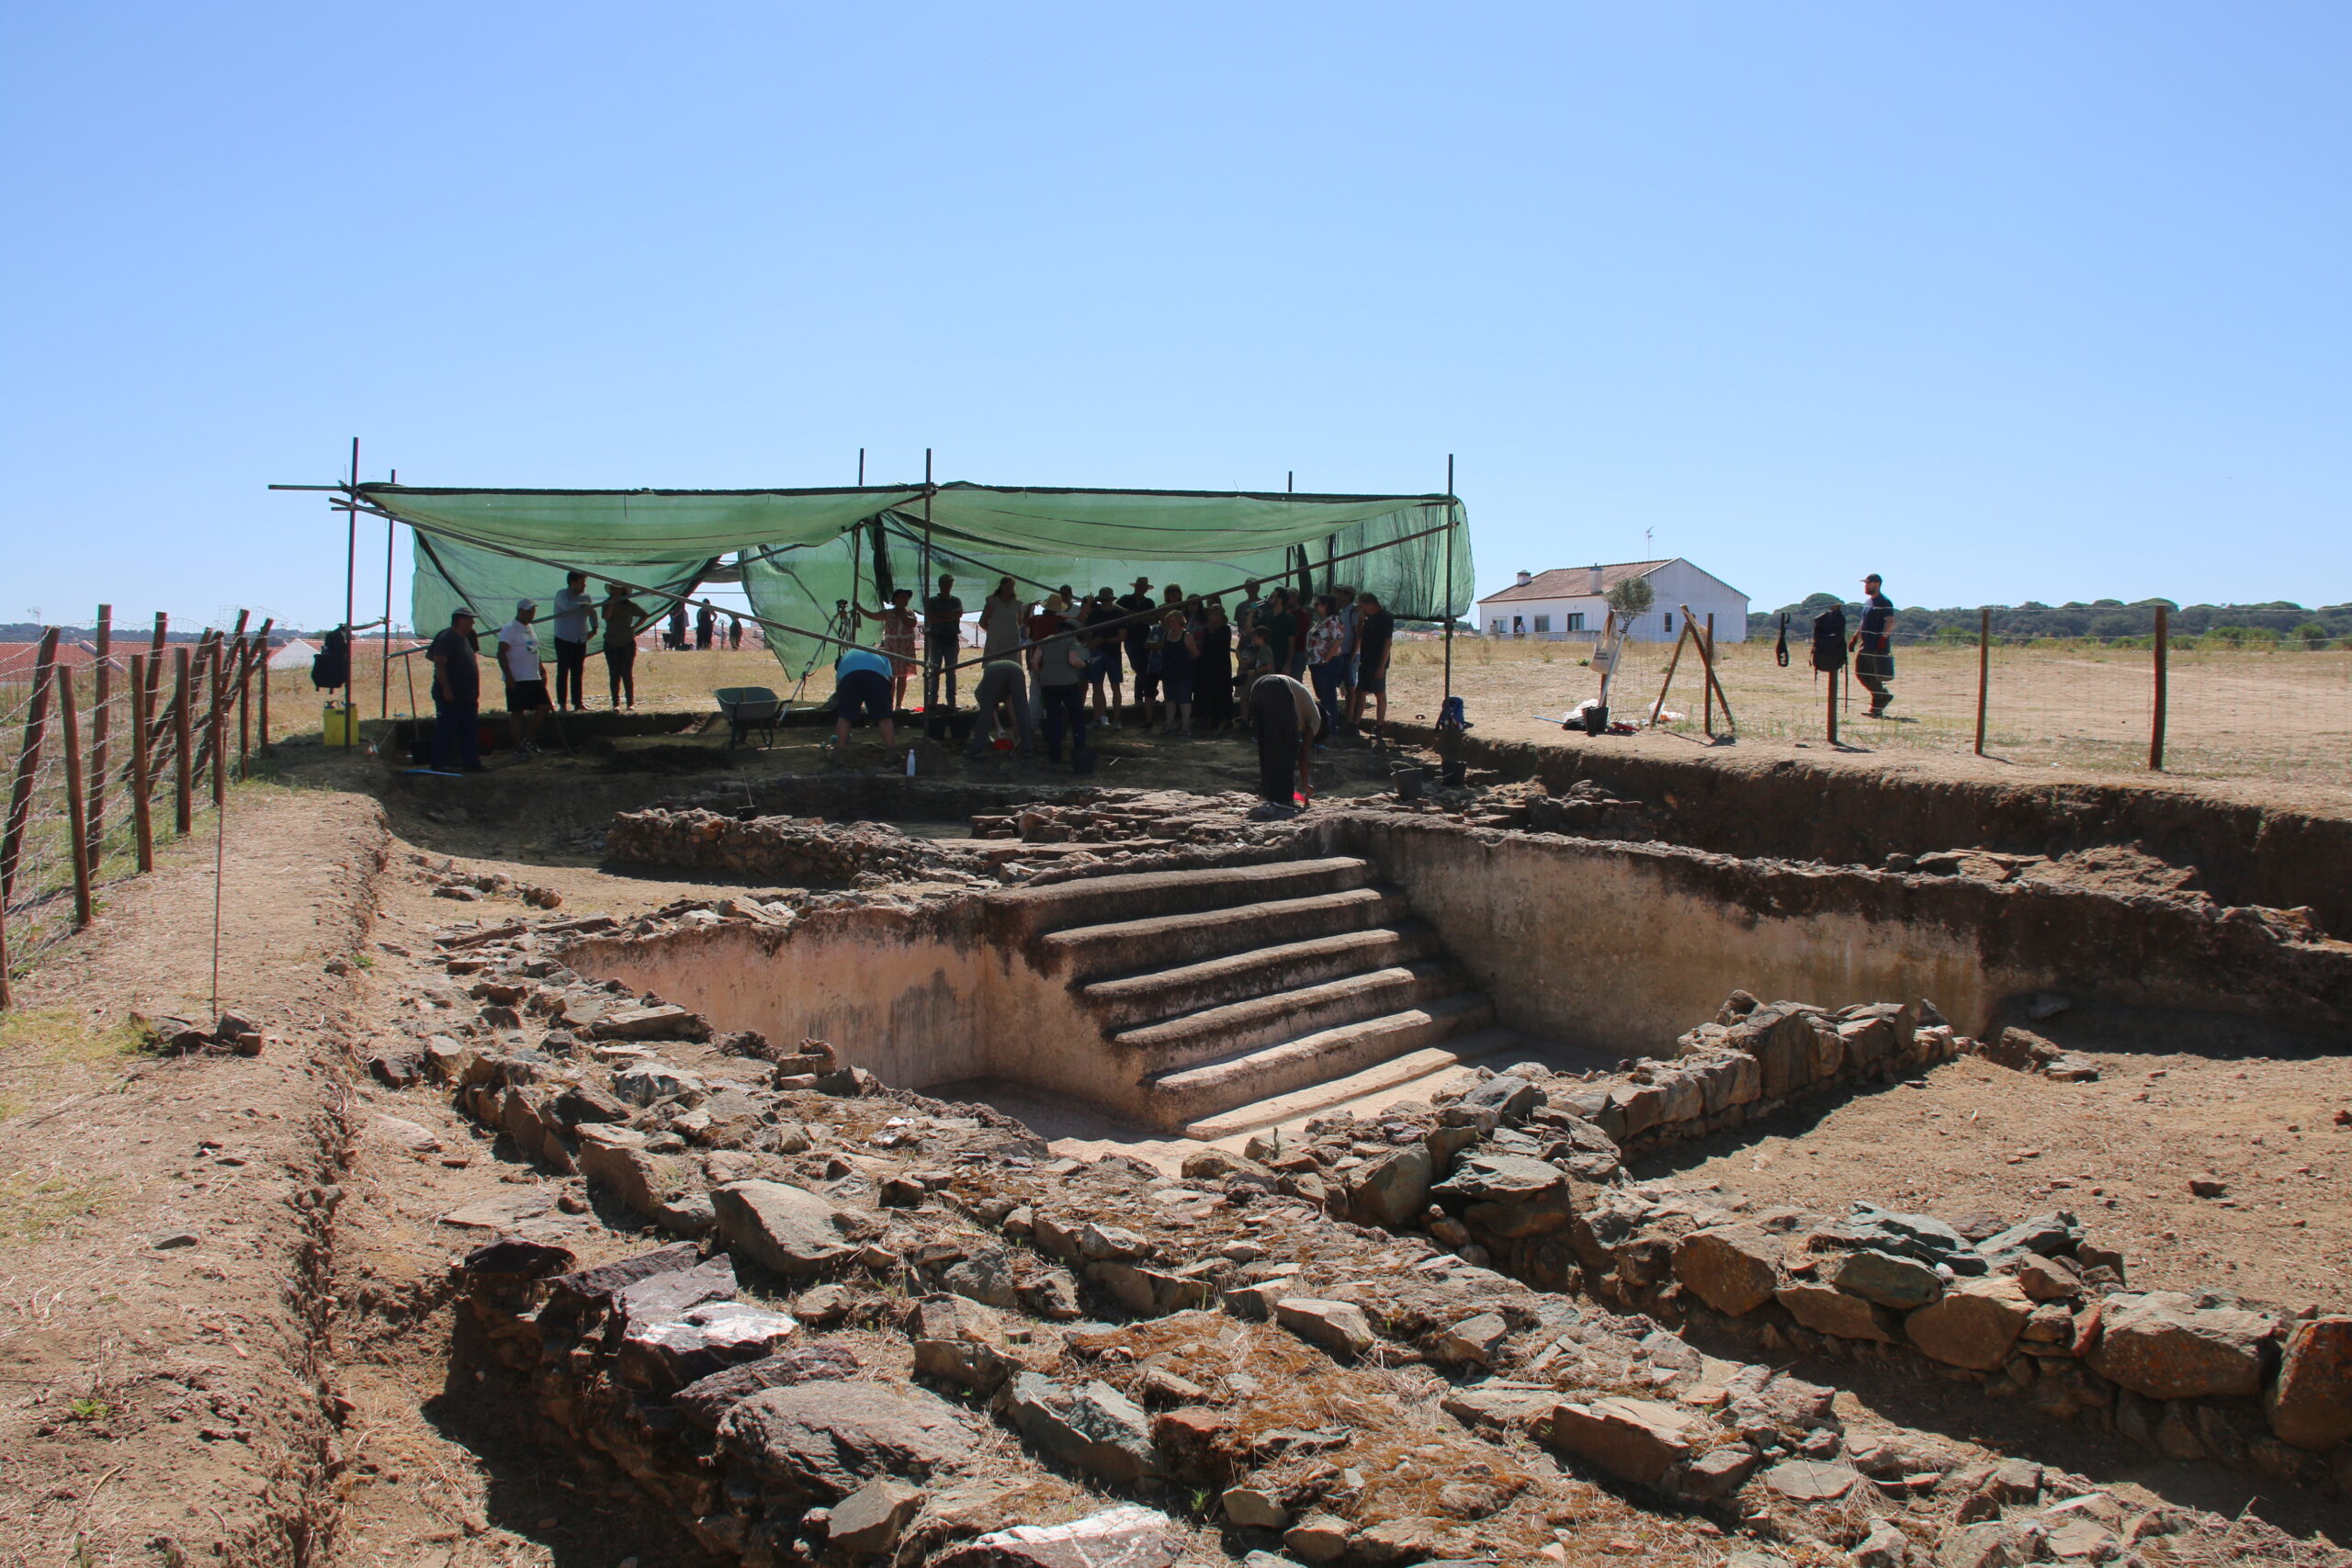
(1873,647)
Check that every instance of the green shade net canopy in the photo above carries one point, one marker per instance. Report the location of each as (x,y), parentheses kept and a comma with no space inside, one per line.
(802,550)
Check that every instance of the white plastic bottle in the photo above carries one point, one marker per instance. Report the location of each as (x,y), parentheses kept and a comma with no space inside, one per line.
(911,761)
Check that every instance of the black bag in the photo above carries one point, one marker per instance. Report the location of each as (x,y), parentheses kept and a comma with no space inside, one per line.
(1829,638)
(331,666)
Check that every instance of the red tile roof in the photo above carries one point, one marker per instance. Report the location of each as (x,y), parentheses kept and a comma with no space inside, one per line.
(18,659)
(1573,582)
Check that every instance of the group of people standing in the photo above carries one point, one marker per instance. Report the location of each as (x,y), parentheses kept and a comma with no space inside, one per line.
(579,617)
(706,630)
(1061,665)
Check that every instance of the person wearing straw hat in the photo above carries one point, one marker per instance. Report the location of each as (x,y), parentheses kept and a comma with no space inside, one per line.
(1134,606)
(1873,647)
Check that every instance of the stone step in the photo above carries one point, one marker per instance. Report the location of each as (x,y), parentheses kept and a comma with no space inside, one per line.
(1127,947)
(1159,994)
(1224,1032)
(1416,1074)
(1030,912)
(1190,1095)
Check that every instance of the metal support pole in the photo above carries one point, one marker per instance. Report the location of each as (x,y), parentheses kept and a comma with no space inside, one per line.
(350,605)
(1445,593)
(384,698)
(1984,670)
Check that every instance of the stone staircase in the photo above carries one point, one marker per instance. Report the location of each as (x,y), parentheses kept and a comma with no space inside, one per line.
(1242,997)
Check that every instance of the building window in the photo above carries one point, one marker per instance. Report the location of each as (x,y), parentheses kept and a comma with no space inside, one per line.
(1668,618)
(1542,623)
(1496,625)
(1575,622)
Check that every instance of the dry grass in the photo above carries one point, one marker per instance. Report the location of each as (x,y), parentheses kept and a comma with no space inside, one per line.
(2283,716)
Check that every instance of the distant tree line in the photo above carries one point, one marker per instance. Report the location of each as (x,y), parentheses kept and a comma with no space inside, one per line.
(2275,622)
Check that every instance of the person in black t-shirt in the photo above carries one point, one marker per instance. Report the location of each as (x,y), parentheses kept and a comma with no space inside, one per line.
(1376,634)
(1873,647)
(1134,605)
(942,642)
(457,696)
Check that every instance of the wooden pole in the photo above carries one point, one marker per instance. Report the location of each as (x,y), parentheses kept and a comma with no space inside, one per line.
(142,825)
(1672,664)
(20,794)
(1707,662)
(2156,726)
(1705,653)
(102,693)
(77,821)
(183,763)
(384,698)
(1984,670)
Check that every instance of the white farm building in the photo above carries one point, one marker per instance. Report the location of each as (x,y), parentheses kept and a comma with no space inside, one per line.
(1567,604)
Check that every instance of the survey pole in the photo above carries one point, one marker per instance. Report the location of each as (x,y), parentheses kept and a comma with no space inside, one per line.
(1445,593)
(350,602)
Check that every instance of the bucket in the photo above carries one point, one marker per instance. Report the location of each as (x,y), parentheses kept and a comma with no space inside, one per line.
(1408,782)
(1456,770)
(341,728)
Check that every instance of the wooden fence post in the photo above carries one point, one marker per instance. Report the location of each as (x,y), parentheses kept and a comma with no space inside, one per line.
(1984,670)
(142,824)
(244,713)
(183,761)
(1714,683)
(20,795)
(2156,727)
(1707,694)
(1660,706)
(77,821)
(263,704)
(102,693)
(1833,706)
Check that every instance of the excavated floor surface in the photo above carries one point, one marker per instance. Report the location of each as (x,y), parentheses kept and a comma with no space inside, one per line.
(283,1389)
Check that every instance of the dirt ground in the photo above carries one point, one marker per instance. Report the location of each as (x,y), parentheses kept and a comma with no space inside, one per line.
(275,1383)
(2119,1152)
(2250,726)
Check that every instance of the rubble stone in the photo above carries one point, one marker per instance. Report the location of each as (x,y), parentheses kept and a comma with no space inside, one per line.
(785,1229)
(2311,1404)
(1733,1268)
(1973,1325)
(2165,1346)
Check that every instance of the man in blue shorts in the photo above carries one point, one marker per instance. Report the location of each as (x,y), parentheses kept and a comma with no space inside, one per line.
(862,689)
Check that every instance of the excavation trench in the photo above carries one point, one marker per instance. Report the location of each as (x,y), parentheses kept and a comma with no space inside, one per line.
(1199,978)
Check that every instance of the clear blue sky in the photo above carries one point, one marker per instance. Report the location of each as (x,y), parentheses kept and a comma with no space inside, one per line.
(2008,303)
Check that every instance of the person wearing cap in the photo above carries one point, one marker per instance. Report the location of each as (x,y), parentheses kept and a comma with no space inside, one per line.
(942,644)
(527,678)
(456,696)
(1873,647)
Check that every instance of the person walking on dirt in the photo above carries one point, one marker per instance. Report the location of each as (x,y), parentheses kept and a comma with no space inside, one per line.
(527,678)
(1873,647)
(623,620)
(457,696)
(734,633)
(705,628)
(677,637)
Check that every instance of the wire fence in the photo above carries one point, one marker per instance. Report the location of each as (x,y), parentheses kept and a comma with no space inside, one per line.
(2274,712)
(82,728)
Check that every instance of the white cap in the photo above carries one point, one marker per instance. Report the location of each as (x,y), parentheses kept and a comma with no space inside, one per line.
(525,606)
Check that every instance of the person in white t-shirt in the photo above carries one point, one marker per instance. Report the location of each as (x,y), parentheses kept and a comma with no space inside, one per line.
(527,680)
